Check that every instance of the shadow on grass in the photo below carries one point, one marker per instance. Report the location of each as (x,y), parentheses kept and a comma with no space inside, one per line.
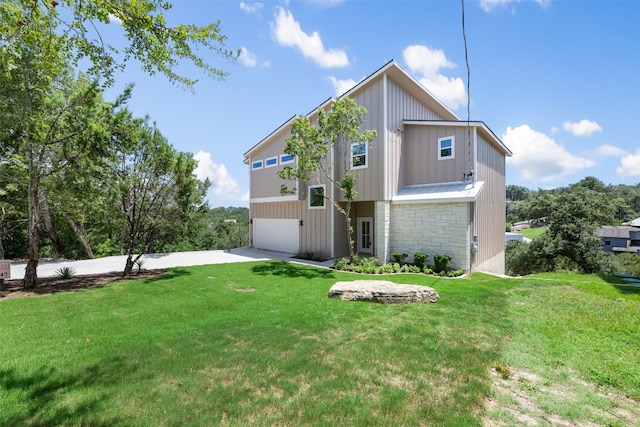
(50,396)
(168,275)
(283,268)
(621,285)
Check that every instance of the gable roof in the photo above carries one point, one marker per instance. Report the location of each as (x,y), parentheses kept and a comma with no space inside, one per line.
(615,232)
(398,75)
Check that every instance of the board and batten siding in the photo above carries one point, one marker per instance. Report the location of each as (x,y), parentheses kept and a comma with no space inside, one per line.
(420,155)
(315,234)
(265,182)
(490,211)
(401,106)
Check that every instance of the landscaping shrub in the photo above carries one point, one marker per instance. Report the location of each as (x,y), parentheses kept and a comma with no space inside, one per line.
(399,257)
(65,272)
(420,259)
(340,263)
(441,261)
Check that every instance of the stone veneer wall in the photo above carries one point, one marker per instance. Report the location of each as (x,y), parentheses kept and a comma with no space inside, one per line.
(438,228)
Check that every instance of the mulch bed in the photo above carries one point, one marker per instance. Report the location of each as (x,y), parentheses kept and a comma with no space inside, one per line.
(52,285)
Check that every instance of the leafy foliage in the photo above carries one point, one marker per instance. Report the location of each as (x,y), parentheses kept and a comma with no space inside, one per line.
(311,146)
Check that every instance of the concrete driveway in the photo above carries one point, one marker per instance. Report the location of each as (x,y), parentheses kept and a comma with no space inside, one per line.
(156,261)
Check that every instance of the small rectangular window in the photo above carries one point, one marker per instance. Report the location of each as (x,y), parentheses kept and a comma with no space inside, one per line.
(286,158)
(607,242)
(358,155)
(446,147)
(316,197)
(256,165)
(271,162)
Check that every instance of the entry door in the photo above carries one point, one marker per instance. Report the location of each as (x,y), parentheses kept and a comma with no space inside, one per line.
(365,235)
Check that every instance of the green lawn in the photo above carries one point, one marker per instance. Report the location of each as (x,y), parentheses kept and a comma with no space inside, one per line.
(532,233)
(261,344)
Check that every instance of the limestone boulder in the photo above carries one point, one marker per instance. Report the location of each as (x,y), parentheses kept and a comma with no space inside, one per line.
(382,291)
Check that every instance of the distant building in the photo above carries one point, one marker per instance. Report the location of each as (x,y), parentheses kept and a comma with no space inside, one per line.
(618,239)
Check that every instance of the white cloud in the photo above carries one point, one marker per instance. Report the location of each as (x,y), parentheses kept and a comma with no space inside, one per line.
(607,150)
(247,58)
(245,196)
(287,32)
(113,19)
(539,157)
(250,8)
(426,63)
(582,128)
(630,165)
(489,5)
(341,86)
(221,182)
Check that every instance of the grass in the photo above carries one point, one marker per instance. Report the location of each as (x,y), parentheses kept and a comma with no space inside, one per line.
(261,344)
(532,233)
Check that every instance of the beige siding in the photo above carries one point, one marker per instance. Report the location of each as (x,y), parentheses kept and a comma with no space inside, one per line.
(315,235)
(265,182)
(401,106)
(420,152)
(490,207)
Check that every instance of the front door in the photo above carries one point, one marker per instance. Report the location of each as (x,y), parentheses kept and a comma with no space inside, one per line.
(365,235)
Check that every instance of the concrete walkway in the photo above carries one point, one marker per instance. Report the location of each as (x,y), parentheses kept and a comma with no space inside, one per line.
(157,261)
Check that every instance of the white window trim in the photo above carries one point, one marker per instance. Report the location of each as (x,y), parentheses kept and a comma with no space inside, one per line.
(284,162)
(366,156)
(324,199)
(271,158)
(253,164)
(453,147)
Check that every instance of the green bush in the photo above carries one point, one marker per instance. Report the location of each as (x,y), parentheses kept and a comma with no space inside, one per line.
(386,269)
(420,259)
(399,257)
(441,261)
(340,263)
(427,270)
(627,263)
(65,272)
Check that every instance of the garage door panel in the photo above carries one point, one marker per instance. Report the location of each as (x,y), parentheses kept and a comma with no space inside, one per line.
(281,235)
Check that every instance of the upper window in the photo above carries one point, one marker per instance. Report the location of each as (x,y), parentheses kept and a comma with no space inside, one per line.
(271,162)
(256,165)
(286,158)
(316,197)
(358,155)
(446,147)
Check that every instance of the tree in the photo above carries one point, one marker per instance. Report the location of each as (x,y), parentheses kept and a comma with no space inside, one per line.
(338,130)
(39,40)
(158,193)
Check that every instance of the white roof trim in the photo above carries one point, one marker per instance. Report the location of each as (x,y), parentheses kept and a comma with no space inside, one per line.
(391,65)
(450,192)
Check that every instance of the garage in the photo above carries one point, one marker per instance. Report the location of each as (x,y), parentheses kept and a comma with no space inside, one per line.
(281,235)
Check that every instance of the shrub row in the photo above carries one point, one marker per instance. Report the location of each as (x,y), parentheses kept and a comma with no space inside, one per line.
(370,265)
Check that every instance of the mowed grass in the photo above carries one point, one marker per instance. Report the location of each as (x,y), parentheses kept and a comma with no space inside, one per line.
(532,233)
(261,344)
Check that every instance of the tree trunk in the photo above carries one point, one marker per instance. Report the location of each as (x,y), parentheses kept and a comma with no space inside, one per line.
(30,274)
(80,233)
(48,223)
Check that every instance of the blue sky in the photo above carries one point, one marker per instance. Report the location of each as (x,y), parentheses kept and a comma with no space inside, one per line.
(557,81)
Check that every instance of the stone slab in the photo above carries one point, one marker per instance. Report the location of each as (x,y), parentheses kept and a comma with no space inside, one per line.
(382,291)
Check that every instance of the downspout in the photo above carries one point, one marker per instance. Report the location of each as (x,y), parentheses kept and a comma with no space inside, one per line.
(333,208)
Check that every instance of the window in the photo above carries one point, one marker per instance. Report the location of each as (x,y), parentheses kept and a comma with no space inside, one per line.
(271,162)
(607,242)
(256,165)
(358,155)
(316,197)
(446,147)
(286,158)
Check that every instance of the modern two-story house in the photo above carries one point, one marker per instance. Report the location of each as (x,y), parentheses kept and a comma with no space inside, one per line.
(429,183)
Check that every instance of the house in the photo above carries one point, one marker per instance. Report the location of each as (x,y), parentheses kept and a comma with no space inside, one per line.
(429,183)
(619,239)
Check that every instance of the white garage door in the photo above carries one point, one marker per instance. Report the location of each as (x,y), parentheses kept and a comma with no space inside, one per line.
(282,235)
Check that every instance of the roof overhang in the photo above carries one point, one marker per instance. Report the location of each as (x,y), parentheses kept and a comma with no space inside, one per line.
(397,74)
(450,192)
(480,126)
